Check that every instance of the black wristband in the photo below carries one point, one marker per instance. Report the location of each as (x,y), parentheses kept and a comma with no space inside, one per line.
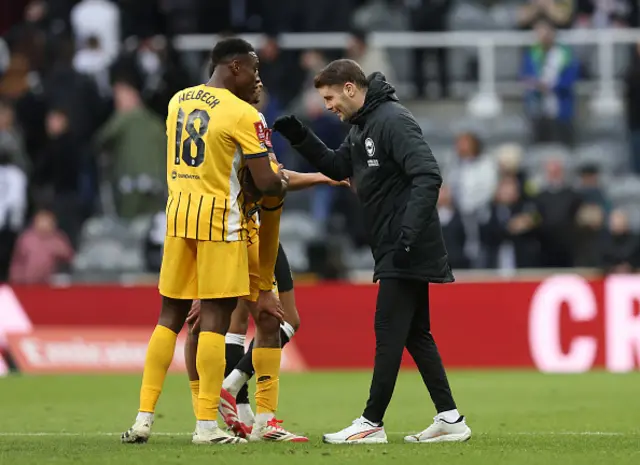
(273,209)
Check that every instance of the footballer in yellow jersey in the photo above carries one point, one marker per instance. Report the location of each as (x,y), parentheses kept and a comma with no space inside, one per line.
(213,132)
(240,365)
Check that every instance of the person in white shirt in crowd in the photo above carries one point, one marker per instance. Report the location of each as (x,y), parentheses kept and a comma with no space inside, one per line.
(101,19)
(472,177)
(94,61)
(13,208)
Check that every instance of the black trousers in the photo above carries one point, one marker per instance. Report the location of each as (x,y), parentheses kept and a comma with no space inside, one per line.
(402,320)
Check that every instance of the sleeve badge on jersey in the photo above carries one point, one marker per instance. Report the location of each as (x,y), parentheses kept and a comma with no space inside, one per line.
(260,131)
(267,141)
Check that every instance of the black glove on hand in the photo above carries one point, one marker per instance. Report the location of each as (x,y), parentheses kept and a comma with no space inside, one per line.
(291,128)
(402,255)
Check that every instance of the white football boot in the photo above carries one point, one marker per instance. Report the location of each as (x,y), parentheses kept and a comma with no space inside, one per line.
(215,436)
(361,431)
(272,431)
(442,431)
(140,431)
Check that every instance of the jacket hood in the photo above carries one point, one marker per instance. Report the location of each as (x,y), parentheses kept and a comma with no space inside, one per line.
(379,91)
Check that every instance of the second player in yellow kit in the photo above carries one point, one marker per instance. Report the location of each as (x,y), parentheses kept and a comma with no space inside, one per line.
(212,133)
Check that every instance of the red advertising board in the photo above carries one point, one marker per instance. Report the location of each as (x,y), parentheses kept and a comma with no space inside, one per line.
(91,350)
(564,323)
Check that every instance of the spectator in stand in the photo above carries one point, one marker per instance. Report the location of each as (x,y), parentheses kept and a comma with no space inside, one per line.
(31,37)
(370,58)
(182,15)
(27,101)
(603,14)
(549,73)
(324,16)
(632,103)
(135,140)
(11,140)
(141,18)
(453,231)
(97,18)
(279,72)
(591,218)
(157,69)
(558,12)
(508,229)
(473,176)
(93,61)
(509,159)
(40,251)
(558,205)
(622,248)
(65,87)
(58,173)
(59,12)
(590,188)
(5,56)
(13,208)
(430,16)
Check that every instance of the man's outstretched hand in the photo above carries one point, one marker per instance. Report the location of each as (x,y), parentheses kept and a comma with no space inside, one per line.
(269,303)
(291,128)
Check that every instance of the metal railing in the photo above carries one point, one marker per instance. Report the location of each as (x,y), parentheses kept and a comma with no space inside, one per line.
(486,102)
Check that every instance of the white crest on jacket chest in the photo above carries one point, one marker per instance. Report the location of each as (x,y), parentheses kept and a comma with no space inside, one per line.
(369,146)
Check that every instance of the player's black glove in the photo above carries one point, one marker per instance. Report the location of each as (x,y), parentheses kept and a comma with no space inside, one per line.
(291,128)
(402,254)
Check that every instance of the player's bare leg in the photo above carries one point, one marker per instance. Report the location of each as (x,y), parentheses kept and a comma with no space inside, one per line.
(159,357)
(266,360)
(291,315)
(215,318)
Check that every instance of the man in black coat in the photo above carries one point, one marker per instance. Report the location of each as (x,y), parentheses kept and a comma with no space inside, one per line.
(398,181)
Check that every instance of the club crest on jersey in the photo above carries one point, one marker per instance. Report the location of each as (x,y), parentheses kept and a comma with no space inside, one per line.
(370,147)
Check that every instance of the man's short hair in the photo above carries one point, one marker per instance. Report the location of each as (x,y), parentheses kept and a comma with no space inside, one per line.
(339,72)
(226,49)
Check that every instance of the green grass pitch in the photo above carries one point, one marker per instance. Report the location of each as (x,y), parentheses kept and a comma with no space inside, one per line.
(518,418)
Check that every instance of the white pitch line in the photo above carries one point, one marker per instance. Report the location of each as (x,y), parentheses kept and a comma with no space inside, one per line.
(514,433)
(91,434)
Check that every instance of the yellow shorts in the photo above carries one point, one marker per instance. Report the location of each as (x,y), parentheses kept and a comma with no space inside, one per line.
(193,269)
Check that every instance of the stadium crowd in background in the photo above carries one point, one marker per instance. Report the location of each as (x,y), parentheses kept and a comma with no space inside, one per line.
(84,87)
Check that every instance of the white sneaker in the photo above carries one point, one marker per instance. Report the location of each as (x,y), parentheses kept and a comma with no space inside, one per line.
(272,431)
(442,431)
(139,433)
(215,436)
(361,431)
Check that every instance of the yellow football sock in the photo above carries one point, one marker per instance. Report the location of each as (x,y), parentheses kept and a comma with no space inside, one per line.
(195,390)
(210,363)
(266,362)
(162,345)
